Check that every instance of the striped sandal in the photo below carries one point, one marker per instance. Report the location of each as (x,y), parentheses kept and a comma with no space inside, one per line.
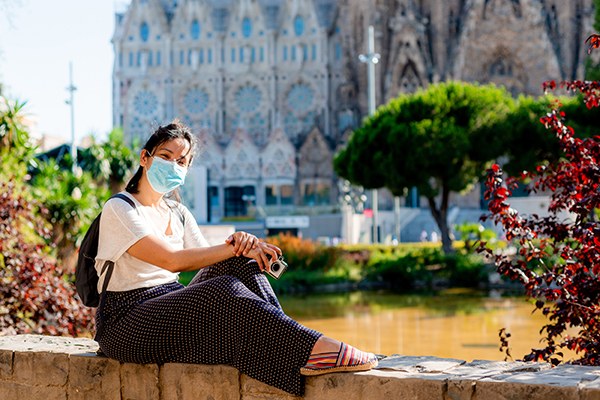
(348,359)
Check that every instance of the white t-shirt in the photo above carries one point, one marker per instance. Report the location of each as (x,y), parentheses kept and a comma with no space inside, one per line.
(121,226)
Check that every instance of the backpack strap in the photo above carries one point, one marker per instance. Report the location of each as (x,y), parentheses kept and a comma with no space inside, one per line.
(123,197)
(108,267)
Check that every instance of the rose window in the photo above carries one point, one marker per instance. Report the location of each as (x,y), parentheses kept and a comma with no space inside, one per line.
(196,101)
(145,103)
(300,97)
(248,98)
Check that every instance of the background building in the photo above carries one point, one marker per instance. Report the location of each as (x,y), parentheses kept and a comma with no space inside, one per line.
(274,87)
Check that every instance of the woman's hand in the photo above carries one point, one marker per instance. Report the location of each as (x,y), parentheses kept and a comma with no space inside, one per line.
(242,243)
(260,255)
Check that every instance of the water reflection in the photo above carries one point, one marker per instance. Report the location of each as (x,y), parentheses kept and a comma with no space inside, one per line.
(455,323)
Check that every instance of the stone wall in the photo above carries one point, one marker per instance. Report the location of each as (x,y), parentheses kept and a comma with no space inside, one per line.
(48,368)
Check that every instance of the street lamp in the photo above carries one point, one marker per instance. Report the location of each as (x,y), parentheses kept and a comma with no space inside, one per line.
(372,58)
(71,88)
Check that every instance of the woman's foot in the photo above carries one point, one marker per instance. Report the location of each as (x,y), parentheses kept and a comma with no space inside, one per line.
(346,359)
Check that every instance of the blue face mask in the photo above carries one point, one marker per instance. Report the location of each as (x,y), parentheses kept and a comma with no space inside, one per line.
(164,175)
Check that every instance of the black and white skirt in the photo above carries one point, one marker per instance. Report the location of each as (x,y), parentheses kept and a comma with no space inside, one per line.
(228,314)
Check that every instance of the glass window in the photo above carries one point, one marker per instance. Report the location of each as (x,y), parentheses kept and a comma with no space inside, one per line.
(144,31)
(234,200)
(314,51)
(213,196)
(262,54)
(299,25)
(201,56)
(253,55)
(305,52)
(222,56)
(271,195)
(189,57)
(246,27)
(181,57)
(120,59)
(241,54)
(150,58)
(158,58)
(131,59)
(210,56)
(316,194)
(338,51)
(308,194)
(323,193)
(195,30)
(287,195)
(232,55)
(171,60)
(284,53)
(139,59)
(293,53)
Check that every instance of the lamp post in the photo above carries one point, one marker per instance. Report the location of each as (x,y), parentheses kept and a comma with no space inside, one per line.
(372,58)
(71,88)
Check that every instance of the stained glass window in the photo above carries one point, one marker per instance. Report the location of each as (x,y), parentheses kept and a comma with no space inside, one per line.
(301,97)
(145,103)
(144,31)
(248,98)
(196,101)
(246,27)
(299,25)
(195,30)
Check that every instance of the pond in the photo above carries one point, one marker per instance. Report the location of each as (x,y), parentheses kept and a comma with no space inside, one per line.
(454,323)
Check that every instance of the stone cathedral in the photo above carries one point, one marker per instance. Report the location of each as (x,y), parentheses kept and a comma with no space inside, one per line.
(274,87)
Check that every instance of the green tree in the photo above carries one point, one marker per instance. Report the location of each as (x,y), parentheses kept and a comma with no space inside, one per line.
(71,202)
(592,70)
(438,140)
(528,143)
(13,130)
(110,163)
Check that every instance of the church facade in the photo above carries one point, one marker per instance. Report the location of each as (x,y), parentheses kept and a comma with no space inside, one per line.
(274,87)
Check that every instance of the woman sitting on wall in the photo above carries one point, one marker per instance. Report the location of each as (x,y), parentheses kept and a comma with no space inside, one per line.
(228,314)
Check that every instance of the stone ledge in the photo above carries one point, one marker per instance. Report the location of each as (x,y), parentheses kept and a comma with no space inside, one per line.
(33,366)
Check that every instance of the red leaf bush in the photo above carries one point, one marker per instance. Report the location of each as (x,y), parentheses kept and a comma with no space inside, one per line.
(559,258)
(35,295)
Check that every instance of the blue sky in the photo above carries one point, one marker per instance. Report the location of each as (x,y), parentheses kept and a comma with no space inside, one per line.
(38,39)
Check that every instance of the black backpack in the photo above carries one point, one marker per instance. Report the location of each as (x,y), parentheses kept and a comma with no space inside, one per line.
(86,277)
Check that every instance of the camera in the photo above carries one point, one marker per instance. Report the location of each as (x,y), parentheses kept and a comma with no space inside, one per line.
(278,267)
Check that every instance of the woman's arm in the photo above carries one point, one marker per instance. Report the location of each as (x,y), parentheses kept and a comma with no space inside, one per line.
(154,251)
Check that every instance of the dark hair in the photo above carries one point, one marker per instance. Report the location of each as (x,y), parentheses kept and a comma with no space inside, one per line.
(162,135)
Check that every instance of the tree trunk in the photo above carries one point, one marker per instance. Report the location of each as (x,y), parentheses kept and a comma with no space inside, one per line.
(440,215)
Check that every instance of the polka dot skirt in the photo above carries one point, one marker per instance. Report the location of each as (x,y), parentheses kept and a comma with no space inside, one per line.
(228,314)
